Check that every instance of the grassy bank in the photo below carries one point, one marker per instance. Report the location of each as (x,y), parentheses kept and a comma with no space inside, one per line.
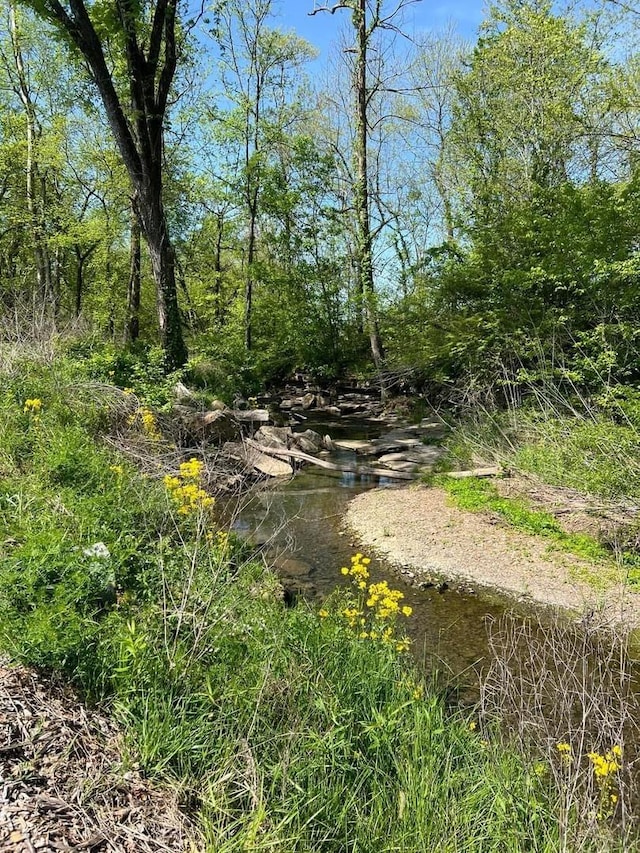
(594,450)
(609,567)
(287,729)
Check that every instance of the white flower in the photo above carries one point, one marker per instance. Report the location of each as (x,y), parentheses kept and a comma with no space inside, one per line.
(98,550)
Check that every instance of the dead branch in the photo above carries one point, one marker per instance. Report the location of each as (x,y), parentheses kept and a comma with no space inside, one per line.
(331,9)
(330,466)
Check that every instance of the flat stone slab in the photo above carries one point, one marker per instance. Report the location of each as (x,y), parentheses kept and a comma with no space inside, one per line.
(402,465)
(355,444)
(397,445)
(252,416)
(420,455)
(267,464)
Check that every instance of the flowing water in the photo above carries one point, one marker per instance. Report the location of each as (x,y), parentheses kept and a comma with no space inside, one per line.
(299,525)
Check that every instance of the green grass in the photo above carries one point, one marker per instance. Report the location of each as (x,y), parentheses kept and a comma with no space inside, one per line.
(476,495)
(599,455)
(286,731)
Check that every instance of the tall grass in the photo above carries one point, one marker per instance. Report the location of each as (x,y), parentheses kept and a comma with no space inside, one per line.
(284,729)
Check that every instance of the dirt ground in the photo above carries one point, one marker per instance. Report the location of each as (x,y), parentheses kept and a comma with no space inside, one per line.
(418,528)
(63,783)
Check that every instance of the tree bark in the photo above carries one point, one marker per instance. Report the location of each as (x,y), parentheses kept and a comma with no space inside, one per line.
(248,291)
(33,182)
(151,59)
(79,280)
(132,327)
(163,266)
(365,241)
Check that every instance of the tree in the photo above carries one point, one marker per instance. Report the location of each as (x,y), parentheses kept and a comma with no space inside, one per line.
(369,20)
(517,124)
(258,66)
(34,193)
(147,35)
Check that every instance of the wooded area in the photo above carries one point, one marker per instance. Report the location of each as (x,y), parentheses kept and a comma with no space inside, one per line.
(222,259)
(466,212)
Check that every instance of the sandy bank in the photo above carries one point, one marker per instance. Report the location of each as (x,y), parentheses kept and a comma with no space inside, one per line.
(417,528)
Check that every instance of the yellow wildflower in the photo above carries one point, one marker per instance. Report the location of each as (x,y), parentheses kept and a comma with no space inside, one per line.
(565,752)
(185,489)
(33,406)
(605,766)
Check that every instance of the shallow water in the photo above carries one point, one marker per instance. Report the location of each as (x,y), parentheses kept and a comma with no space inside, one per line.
(299,524)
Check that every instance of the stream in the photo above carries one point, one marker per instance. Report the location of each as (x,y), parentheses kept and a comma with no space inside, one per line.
(299,525)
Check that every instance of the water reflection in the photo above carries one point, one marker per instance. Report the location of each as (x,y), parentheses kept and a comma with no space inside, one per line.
(299,525)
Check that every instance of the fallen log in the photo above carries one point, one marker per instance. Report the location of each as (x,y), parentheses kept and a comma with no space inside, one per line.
(330,466)
(476,472)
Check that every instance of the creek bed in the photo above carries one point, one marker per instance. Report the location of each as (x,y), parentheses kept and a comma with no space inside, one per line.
(299,524)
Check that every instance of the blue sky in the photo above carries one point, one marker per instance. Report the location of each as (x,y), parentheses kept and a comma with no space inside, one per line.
(322,29)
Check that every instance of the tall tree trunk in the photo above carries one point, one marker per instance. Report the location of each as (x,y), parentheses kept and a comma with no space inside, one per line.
(32,182)
(365,241)
(132,326)
(151,55)
(248,290)
(217,267)
(153,224)
(79,280)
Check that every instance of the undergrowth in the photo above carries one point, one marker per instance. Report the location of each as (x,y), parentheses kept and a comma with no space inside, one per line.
(287,729)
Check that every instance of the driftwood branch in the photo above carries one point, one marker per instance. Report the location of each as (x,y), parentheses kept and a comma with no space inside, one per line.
(494,471)
(330,466)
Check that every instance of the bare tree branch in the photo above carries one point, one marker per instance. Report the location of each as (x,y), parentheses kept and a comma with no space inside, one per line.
(331,9)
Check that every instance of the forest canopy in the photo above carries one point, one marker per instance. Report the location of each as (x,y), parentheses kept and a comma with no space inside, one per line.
(463,211)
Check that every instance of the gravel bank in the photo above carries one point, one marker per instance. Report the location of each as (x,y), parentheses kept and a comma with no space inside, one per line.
(417,528)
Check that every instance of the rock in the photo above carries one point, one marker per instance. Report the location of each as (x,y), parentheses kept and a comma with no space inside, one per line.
(287,404)
(308,401)
(253,416)
(422,455)
(351,408)
(383,445)
(327,443)
(267,464)
(215,427)
(355,444)
(401,466)
(239,402)
(308,441)
(273,436)
(290,567)
(217,406)
(252,460)
(183,394)
(387,458)
(333,410)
